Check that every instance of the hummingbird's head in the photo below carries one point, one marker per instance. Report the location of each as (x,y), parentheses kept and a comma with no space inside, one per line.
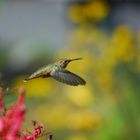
(64,62)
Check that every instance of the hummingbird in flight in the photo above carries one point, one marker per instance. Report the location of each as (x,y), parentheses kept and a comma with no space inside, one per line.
(57,71)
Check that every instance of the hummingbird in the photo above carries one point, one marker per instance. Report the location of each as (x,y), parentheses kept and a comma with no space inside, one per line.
(58,72)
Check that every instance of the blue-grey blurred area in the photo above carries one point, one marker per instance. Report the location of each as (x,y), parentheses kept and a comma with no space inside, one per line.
(28,21)
(30,30)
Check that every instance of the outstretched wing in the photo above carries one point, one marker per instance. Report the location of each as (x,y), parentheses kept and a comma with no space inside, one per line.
(67,77)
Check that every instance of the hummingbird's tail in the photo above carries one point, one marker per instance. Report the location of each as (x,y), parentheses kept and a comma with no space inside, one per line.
(26,80)
(29,78)
(33,76)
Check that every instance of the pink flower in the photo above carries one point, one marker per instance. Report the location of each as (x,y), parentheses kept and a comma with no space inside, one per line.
(39,131)
(11,121)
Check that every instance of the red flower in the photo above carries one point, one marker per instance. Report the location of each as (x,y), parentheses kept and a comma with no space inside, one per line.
(39,131)
(11,121)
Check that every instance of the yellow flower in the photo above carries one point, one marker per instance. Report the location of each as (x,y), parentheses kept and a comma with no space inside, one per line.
(97,10)
(81,96)
(97,37)
(84,120)
(123,43)
(79,37)
(104,79)
(76,13)
(54,115)
(77,137)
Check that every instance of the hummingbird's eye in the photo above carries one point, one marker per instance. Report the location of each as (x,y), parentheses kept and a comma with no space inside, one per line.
(65,61)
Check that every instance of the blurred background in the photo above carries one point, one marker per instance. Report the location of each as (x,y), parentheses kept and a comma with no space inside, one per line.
(106,34)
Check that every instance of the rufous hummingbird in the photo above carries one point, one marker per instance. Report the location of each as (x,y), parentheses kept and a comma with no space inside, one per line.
(57,71)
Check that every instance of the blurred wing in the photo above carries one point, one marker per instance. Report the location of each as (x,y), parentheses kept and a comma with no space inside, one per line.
(67,77)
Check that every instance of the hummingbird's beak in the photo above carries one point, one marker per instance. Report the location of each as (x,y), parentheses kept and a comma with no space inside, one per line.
(75,59)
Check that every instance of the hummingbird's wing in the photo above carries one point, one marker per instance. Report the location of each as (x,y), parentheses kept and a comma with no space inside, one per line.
(67,77)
